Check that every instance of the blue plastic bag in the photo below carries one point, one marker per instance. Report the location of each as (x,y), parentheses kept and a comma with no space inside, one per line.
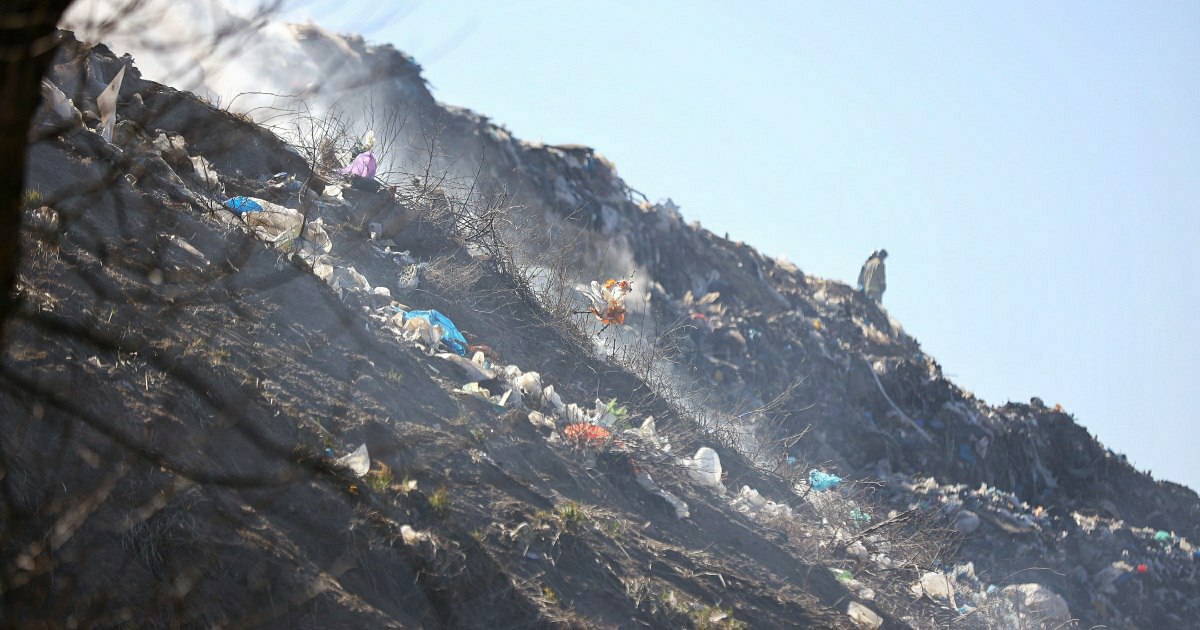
(243,205)
(452,337)
(822,481)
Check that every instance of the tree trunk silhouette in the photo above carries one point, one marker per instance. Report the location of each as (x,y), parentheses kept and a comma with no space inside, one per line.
(28,40)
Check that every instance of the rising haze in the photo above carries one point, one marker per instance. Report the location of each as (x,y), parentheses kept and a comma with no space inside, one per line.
(1030,168)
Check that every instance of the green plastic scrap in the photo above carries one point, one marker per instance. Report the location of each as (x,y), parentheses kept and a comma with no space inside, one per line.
(1162,537)
(620,414)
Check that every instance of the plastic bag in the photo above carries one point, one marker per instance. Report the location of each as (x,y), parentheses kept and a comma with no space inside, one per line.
(452,337)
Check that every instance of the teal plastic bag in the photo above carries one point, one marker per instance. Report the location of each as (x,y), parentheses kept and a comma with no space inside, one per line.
(452,337)
(822,481)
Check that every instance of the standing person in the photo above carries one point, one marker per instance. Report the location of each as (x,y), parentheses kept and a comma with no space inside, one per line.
(872,280)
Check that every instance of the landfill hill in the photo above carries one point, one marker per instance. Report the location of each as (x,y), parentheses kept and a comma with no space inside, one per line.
(187,389)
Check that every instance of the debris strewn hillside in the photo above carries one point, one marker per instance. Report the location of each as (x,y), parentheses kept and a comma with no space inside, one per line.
(235,383)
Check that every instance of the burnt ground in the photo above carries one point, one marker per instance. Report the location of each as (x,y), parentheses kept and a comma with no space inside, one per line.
(172,430)
(176,394)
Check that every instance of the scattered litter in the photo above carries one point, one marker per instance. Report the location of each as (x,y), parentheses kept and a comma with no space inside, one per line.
(474,389)
(314,234)
(412,536)
(242,205)
(366,143)
(285,183)
(359,462)
(363,166)
(750,498)
(475,372)
(402,258)
(187,247)
(538,419)
(574,414)
(934,585)
(587,435)
(268,221)
(274,223)
(419,329)
(821,481)
(409,278)
(551,399)
(344,279)
(607,301)
(648,484)
(450,334)
(107,104)
(380,297)
(748,501)
(529,384)
(333,192)
(171,147)
(863,617)
(207,174)
(648,433)
(321,268)
(611,414)
(705,468)
(60,105)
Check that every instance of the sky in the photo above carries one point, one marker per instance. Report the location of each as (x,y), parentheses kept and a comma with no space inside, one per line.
(1033,169)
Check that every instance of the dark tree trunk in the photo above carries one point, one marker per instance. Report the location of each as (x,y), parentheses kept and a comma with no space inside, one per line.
(28,40)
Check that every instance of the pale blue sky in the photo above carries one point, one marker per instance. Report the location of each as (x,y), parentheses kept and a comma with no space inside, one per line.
(1032,168)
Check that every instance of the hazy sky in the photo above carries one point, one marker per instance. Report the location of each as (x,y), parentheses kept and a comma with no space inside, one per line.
(1032,168)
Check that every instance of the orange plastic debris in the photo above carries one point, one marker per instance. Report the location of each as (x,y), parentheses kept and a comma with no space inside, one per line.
(625,285)
(608,300)
(587,434)
(613,314)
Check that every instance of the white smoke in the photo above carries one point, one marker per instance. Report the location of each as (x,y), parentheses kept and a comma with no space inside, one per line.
(299,80)
(204,47)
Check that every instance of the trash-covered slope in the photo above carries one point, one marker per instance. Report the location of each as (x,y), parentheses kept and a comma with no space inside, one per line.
(182,398)
(227,379)
(749,336)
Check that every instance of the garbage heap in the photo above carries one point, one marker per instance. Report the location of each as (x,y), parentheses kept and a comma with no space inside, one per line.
(1052,525)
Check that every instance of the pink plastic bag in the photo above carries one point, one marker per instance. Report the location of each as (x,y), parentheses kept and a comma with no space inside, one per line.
(363,166)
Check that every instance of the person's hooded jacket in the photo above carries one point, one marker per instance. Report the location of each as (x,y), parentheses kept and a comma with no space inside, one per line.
(873,277)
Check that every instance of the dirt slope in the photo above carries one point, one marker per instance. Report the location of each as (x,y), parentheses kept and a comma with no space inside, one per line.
(178,393)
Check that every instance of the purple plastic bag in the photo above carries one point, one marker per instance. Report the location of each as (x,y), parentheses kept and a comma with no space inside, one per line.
(362,166)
